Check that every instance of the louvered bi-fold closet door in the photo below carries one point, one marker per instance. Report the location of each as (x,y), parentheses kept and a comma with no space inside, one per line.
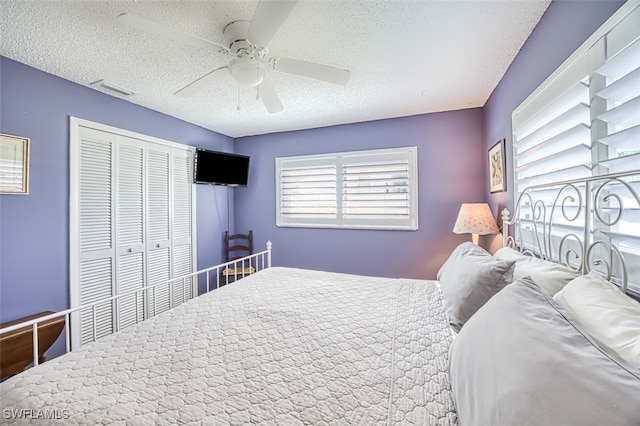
(158,227)
(96,259)
(129,227)
(182,257)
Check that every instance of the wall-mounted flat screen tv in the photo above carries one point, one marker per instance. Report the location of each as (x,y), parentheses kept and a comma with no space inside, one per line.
(220,168)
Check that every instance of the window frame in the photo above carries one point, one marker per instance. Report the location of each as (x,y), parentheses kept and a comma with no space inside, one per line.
(338,160)
(582,85)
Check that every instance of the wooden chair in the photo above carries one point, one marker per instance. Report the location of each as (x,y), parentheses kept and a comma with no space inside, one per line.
(237,246)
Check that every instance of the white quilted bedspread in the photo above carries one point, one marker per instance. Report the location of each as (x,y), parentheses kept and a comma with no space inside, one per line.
(284,346)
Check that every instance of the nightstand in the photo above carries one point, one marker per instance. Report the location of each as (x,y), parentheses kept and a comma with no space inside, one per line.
(16,347)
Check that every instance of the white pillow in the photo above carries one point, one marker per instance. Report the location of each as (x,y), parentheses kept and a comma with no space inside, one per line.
(605,313)
(548,275)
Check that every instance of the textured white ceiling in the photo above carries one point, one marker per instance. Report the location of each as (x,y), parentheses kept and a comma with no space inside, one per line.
(406,57)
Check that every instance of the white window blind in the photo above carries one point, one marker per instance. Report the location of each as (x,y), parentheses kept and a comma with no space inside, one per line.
(584,121)
(361,189)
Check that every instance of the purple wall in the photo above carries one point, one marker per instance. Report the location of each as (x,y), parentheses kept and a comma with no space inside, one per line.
(34,228)
(562,29)
(450,153)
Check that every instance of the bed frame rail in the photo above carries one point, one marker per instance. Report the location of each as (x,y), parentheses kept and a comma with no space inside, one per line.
(261,260)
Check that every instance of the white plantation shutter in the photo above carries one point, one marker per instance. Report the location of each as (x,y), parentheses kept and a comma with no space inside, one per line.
(617,89)
(552,139)
(584,121)
(131,226)
(374,191)
(11,170)
(616,132)
(360,189)
(309,193)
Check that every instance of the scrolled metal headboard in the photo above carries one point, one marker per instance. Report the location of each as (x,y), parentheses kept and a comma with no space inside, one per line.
(590,224)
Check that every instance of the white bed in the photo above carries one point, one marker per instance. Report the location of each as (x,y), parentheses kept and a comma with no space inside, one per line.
(283,346)
(290,346)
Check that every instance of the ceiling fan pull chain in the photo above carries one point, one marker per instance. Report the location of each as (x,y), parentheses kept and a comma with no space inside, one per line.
(238,108)
(258,76)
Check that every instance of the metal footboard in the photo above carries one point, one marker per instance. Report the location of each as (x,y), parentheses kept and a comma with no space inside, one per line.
(261,260)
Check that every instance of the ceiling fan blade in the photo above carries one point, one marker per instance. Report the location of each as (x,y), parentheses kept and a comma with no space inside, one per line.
(157,29)
(267,19)
(269,97)
(201,83)
(312,70)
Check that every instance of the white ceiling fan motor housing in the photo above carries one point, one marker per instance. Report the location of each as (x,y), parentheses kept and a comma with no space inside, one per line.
(236,35)
(247,69)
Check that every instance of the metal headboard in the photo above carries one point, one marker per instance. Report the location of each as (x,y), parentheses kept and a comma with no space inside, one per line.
(590,224)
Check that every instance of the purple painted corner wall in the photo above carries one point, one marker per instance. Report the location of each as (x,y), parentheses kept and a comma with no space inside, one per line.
(34,228)
(453,168)
(449,146)
(562,29)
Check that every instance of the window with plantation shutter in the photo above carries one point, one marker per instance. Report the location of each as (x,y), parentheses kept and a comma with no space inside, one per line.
(14,164)
(374,189)
(584,122)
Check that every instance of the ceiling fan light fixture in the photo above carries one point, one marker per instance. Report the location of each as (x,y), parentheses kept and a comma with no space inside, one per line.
(247,72)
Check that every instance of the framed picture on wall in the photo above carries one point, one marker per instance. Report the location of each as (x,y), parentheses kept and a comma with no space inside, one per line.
(497,168)
(14,164)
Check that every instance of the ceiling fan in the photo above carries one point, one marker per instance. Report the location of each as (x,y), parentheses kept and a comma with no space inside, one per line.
(247,44)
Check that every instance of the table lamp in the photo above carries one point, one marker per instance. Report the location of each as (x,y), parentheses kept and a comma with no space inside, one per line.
(475,219)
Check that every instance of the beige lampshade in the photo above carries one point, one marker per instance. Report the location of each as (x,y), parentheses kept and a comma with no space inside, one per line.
(475,218)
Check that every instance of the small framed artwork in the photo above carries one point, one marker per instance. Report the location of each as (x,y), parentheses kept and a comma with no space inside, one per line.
(14,164)
(497,168)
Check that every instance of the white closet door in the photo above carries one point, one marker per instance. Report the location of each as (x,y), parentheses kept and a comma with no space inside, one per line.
(95,222)
(181,238)
(129,198)
(131,226)
(158,227)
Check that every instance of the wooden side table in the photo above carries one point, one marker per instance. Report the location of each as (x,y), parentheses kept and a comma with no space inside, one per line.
(16,347)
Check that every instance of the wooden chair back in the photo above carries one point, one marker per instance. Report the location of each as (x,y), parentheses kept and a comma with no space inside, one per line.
(237,246)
